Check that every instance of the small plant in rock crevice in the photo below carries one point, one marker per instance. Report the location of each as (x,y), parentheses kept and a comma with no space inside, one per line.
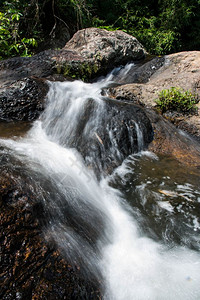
(176,99)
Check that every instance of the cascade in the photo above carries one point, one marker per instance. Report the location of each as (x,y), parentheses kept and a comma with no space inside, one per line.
(87,215)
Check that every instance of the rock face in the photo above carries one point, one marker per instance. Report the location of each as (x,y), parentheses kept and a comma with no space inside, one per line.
(179,70)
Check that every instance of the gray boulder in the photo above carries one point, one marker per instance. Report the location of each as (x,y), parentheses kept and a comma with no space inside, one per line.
(106,48)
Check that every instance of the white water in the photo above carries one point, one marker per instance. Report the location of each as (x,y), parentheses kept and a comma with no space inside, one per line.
(133,266)
(137,267)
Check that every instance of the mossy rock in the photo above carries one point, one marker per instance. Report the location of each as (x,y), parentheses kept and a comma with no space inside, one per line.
(84,70)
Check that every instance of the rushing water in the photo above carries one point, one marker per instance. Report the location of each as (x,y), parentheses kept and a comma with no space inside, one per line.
(138,228)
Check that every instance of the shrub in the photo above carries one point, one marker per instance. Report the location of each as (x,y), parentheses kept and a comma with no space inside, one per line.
(175,99)
(12,41)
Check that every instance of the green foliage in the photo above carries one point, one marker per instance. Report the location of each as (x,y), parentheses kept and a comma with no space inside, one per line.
(75,11)
(84,71)
(12,41)
(162,26)
(175,99)
(156,40)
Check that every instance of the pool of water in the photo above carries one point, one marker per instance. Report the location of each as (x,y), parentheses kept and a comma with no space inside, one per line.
(164,197)
(14,129)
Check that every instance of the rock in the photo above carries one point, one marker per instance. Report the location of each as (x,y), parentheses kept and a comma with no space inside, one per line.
(23,85)
(179,70)
(30,267)
(169,140)
(97,51)
(141,71)
(89,53)
(42,65)
(23,99)
(39,65)
(120,129)
(106,48)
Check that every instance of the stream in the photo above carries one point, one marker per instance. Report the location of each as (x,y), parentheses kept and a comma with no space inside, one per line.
(136,229)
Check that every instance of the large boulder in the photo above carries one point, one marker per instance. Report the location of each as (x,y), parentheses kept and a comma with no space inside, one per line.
(179,70)
(90,52)
(97,51)
(107,48)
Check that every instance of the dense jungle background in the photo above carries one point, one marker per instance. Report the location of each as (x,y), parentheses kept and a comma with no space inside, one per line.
(162,26)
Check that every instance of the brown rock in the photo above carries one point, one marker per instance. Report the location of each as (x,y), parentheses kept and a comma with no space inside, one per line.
(30,268)
(170,141)
(179,70)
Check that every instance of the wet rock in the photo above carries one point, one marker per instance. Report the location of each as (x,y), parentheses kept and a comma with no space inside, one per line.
(146,70)
(171,141)
(23,99)
(142,71)
(120,129)
(39,65)
(30,268)
(106,48)
(23,83)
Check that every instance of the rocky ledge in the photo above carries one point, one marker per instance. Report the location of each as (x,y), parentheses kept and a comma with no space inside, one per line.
(178,70)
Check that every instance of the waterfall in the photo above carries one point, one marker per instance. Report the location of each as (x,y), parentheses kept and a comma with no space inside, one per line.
(87,218)
(139,137)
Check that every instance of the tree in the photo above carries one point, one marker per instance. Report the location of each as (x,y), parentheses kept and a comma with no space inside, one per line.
(162,26)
